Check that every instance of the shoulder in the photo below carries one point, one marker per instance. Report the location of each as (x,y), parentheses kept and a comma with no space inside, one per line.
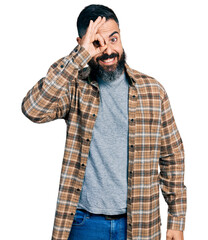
(146,83)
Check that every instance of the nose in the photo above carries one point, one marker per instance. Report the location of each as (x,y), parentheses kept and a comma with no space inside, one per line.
(108,50)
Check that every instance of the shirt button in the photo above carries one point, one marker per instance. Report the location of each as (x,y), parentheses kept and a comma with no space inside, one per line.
(83,164)
(93,115)
(76,50)
(78,189)
(134,96)
(72,213)
(62,66)
(131,172)
(88,140)
(132,120)
(132,146)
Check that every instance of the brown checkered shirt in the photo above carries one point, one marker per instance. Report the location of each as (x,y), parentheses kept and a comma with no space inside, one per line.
(67,92)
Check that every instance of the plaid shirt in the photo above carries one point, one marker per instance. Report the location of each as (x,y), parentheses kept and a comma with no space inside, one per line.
(67,92)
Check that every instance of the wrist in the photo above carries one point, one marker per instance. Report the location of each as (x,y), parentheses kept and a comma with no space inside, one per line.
(79,57)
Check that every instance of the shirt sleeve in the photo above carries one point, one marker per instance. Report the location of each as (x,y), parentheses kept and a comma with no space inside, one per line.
(49,98)
(172,168)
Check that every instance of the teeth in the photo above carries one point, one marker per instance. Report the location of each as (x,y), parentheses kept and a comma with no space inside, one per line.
(108,60)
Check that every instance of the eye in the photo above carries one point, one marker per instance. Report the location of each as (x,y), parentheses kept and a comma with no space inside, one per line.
(114,39)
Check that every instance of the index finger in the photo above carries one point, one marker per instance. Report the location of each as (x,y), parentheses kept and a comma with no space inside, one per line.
(89,28)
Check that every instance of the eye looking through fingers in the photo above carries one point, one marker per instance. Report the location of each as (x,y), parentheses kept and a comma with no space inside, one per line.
(96,43)
(99,41)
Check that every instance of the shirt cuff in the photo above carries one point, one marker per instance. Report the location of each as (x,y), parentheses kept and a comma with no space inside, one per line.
(176,223)
(80,57)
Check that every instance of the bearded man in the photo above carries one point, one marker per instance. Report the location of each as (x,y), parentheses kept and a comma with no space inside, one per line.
(120,127)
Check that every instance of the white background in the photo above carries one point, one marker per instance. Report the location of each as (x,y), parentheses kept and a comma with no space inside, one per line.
(164,39)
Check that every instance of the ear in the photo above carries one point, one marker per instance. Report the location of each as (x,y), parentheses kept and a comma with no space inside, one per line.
(79,40)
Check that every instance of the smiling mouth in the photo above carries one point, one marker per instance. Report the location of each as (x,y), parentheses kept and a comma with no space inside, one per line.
(108,61)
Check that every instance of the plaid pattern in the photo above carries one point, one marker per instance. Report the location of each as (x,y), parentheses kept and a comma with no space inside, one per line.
(67,92)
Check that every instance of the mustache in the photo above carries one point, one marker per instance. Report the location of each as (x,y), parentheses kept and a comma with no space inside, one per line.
(106,56)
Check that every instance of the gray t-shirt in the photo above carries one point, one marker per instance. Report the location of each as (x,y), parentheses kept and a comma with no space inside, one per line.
(105,185)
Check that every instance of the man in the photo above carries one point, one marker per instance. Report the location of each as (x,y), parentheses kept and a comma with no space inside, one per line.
(119,128)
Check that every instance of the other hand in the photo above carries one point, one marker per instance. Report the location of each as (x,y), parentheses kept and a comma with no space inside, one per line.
(174,235)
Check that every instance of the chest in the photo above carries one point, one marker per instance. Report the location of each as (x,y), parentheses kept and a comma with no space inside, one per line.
(141,105)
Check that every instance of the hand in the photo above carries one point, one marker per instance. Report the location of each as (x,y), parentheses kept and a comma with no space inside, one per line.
(174,235)
(92,41)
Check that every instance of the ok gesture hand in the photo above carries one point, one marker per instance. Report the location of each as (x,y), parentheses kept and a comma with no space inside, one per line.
(92,41)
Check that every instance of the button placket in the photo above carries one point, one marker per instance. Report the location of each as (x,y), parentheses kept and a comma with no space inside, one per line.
(132,129)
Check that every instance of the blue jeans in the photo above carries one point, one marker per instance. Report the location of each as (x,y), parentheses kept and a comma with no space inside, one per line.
(88,226)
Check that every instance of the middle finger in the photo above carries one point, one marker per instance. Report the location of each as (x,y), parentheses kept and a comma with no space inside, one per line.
(95,23)
(99,24)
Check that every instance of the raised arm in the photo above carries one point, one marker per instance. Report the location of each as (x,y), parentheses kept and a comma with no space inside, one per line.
(49,99)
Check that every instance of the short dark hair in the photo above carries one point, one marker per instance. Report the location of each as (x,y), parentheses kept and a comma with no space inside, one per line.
(92,12)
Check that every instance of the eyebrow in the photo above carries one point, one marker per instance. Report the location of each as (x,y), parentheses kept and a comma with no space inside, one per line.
(113,34)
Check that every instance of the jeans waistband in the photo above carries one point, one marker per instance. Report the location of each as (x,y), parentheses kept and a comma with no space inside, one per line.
(107,217)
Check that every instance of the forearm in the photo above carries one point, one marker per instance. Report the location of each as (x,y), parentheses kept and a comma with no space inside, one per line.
(172,169)
(173,189)
(49,99)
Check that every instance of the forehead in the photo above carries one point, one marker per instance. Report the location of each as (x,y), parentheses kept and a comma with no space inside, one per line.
(108,27)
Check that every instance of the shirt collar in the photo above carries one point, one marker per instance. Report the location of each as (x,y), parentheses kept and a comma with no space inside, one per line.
(130,74)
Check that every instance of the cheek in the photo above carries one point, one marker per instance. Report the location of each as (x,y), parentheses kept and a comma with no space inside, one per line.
(118,48)
(95,57)
(119,51)
(98,55)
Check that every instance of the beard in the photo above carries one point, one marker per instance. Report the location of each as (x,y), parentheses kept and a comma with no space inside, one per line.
(107,73)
